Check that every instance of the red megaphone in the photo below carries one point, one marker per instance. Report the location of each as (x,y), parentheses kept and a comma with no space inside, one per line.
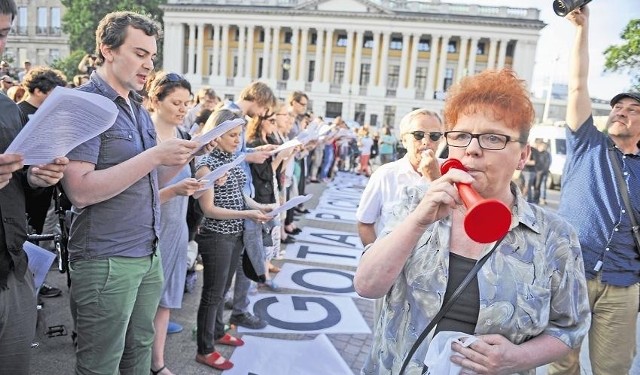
(487,220)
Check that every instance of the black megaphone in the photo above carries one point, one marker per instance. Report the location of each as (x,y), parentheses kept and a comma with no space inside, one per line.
(564,7)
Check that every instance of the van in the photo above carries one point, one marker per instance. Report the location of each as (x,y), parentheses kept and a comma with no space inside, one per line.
(556,138)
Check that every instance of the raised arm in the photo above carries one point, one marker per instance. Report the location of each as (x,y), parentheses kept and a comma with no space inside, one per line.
(578,102)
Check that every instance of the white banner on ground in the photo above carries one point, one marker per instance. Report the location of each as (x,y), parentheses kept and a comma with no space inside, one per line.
(265,356)
(316,279)
(286,313)
(348,217)
(316,253)
(342,205)
(330,237)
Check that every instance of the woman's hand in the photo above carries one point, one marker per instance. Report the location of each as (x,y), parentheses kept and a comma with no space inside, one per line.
(489,355)
(257,215)
(188,186)
(222,180)
(441,197)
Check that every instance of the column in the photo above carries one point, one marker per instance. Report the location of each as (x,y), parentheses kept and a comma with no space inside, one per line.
(473,49)
(174,40)
(404,61)
(384,57)
(492,54)
(200,52)
(265,53)
(327,57)
(348,63)
(375,55)
(357,65)
(224,54)
(431,74)
(304,41)
(192,47)
(442,64)
(242,33)
(502,53)
(413,65)
(464,41)
(275,53)
(294,53)
(317,74)
(524,54)
(248,65)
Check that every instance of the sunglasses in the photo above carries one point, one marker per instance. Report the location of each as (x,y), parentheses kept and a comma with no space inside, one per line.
(419,135)
(171,77)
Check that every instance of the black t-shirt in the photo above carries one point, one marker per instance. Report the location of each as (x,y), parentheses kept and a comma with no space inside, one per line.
(26,108)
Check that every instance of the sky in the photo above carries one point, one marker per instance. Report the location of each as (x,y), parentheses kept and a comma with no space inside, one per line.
(607,21)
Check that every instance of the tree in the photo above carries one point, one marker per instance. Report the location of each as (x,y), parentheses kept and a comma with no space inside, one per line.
(69,64)
(626,57)
(82,17)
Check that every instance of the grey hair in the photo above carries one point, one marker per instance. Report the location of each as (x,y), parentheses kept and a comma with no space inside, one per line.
(409,117)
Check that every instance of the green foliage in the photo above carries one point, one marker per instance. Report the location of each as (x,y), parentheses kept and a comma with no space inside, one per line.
(626,56)
(69,65)
(82,17)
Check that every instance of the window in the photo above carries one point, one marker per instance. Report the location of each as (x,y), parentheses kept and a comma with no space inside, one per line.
(260,67)
(360,111)
(55,21)
(424,45)
(510,49)
(338,72)
(312,70)
(396,44)
(342,40)
(367,42)
(373,120)
(389,115)
(261,37)
(236,34)
(287,37)
(334,109)
(228,97)
(235,66)
(22,21)
(286,67)
(54,55)
(393,76)
(452,47)
(421,78)
(41,26)
(480,48)
(448,78)
(313,39)
(365,74)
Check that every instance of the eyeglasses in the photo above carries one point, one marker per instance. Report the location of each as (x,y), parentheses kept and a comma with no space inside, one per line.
(419,135)
(487,141)
(171,77)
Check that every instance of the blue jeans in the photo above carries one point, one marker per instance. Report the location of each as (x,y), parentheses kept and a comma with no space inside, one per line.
(327,161)
(220,256)
(116,300)
(529,184)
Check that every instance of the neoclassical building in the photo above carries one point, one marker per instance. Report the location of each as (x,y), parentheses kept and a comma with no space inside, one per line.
(370,61)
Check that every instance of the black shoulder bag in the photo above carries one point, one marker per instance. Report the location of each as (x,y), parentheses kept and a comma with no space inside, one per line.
(195,216)
(436,319)
(622,187)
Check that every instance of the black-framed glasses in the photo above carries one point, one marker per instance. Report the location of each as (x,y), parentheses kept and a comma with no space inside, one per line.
(419,135)
(487,141)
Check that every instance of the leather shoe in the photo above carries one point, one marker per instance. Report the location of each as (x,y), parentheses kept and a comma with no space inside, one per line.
(294,231)
(301,210)
(288,240)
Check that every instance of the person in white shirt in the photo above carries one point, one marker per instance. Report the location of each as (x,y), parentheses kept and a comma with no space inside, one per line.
(421,133)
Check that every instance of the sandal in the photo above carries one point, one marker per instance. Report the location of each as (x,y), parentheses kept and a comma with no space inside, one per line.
(211,359)
(156,372)
(227,339)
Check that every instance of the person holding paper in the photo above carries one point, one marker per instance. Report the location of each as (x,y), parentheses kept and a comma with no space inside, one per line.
(17,289)
(220,240)
(169,95)
(113,183)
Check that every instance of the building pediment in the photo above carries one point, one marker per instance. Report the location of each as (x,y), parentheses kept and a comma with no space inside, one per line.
(350,6)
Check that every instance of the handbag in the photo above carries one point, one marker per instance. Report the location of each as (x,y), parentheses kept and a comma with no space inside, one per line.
(436,319)
(622,186)
(195,216)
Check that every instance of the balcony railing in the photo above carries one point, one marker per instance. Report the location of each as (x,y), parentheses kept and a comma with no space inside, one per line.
(363,90)
(391,93)
(55,31)
(335,88)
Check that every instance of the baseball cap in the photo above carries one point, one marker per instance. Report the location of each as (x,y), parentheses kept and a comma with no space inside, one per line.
(632,95)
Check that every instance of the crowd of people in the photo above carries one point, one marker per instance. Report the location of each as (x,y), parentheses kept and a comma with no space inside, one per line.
(141,197)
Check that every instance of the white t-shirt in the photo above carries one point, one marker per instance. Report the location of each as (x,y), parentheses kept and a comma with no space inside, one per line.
(383,191)
(365,145)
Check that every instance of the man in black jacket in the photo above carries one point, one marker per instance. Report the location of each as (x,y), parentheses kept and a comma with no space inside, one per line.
(17,292)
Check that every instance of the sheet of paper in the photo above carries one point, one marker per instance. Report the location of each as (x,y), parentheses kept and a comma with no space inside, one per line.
(288,144)
(289,204)
(219,130)
(66,119)
(40,261)
(215,174)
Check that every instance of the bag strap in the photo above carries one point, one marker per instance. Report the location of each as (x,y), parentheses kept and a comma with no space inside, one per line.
(622,187)
(436,319)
